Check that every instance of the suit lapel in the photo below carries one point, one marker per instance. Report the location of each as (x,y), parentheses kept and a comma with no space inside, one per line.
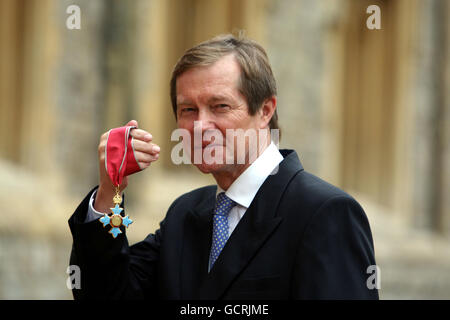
(256,226)
(242,245)
(196,246)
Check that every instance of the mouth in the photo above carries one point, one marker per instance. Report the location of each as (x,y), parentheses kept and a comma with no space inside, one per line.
(208,144)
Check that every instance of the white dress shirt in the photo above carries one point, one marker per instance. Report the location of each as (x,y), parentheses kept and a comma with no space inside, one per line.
(242,190)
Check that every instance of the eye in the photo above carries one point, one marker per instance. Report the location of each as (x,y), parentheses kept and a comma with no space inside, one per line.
(187,110)
(221,106)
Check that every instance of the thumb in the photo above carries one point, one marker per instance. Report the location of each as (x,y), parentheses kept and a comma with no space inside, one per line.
(132,123)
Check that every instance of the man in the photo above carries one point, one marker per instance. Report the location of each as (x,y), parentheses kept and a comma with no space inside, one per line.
(268,230)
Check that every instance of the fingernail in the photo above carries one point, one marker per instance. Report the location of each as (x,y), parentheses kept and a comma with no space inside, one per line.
(156,148)
(148,136)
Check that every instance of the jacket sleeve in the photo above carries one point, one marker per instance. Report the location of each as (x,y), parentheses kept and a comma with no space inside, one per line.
(335,253)
(110,268)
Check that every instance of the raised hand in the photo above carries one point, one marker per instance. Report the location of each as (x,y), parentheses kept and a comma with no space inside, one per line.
(145,152)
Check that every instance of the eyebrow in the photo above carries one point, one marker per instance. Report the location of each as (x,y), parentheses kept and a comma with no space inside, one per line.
(185,103)
(211,100)
(218,98)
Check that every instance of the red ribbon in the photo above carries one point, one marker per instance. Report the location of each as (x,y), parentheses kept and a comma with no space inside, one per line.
(120,160)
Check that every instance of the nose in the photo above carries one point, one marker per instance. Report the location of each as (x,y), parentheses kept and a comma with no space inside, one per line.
(206,120)
(205,128)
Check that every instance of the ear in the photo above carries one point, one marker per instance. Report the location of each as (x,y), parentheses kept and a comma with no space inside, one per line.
(267,110)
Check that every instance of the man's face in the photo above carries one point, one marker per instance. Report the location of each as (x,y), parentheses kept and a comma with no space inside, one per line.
(210,97)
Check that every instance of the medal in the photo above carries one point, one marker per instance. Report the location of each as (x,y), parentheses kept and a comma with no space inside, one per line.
(119,162)
(115,220)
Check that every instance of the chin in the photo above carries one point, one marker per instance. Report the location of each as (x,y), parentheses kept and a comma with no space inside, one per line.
(209,168)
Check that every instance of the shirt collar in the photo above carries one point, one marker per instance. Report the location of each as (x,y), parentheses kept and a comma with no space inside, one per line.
(244,188)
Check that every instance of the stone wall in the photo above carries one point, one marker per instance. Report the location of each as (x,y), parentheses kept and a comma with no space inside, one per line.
(79,83)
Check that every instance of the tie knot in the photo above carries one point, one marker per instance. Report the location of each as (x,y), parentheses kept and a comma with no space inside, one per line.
(223,204)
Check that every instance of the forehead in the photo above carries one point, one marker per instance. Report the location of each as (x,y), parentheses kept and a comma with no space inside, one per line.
(221,76)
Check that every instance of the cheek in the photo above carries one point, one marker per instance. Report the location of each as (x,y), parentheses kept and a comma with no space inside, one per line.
(188,126)
(185,124)
(244,121)
(236,119)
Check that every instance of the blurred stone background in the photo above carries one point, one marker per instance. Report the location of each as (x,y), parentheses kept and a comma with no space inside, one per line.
(367,110)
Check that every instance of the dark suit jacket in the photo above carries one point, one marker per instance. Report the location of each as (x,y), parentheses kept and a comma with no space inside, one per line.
(301,238)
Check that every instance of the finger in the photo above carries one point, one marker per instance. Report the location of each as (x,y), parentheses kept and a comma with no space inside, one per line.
(104,137)
(146,147)
(140,134)
(142,157)
(133,123)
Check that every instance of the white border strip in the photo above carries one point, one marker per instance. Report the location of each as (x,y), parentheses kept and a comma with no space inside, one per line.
(127,132)
(134,153)
(106,151)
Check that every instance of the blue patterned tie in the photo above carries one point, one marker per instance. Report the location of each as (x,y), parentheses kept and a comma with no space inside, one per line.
(220,226)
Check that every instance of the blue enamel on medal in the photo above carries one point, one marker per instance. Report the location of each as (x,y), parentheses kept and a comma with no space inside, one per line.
(115,219)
